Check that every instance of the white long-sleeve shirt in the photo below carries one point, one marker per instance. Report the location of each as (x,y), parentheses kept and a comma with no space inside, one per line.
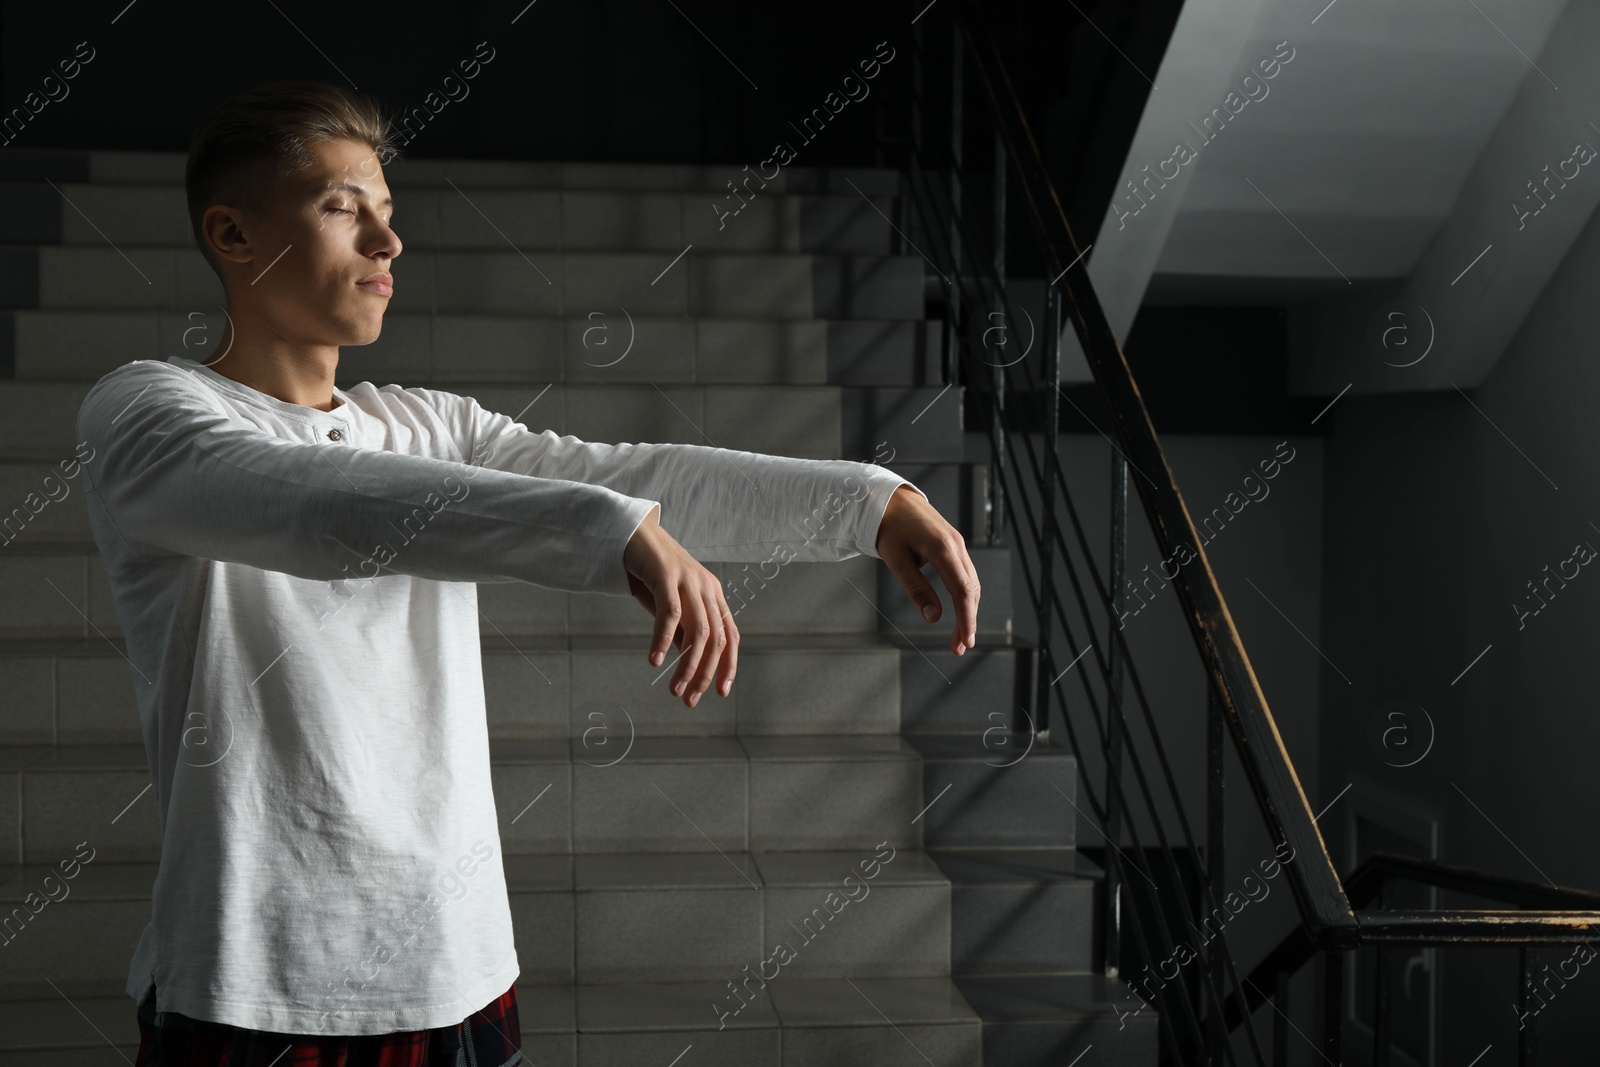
(296,589)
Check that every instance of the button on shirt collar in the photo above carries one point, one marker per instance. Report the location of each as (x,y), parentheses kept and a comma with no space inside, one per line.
(338,426)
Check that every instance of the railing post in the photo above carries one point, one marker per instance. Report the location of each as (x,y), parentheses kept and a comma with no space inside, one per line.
(1216,828)
(1527,1029)
(1333,1004)
(1050,432)
(955,320)
(1117,577)
(997,454)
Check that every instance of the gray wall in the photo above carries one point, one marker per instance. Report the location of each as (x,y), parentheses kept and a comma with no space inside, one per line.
(1437,517)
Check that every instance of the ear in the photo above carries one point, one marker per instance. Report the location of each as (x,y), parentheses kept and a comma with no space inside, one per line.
(222,228)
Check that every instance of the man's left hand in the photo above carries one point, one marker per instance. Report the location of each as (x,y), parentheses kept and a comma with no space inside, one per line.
(912,534)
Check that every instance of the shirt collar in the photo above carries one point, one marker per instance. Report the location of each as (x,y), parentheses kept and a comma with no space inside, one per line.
(345,411)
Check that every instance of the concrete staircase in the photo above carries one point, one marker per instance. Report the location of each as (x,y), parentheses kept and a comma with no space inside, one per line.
(652,852)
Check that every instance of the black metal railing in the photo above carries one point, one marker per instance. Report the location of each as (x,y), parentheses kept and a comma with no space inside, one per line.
(1129,788)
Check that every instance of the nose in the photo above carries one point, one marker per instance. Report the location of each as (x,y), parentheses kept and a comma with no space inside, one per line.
(385,242)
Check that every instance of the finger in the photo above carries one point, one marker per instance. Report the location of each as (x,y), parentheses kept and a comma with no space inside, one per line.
(961,582)
(730,655)
(907,569)
(706,671)
(668,611)
(696,632)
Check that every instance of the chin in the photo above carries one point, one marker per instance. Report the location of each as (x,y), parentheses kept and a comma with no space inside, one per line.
(362,331)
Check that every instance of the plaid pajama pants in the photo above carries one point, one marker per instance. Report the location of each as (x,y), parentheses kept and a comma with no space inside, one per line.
(491,1037)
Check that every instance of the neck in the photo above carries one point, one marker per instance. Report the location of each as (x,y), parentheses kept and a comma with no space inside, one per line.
(269,363)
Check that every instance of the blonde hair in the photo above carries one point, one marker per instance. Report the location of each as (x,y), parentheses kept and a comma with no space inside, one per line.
(245,146)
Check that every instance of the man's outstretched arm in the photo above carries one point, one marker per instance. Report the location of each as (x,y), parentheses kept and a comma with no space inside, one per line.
(726,504)
(174,475)
(719,503)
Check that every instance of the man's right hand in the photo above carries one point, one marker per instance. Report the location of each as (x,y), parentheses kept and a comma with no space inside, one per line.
(690,611)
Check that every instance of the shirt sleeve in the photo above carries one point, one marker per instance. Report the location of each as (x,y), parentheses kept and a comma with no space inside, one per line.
(174,474)
(719,503)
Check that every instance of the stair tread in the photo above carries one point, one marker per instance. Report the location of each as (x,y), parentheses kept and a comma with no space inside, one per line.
(515,751)
(1049,997)
(1025,866)
(114,880)
(36,1017)
(993,747)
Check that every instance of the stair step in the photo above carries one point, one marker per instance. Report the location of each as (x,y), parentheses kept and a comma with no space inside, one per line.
(74,1025)
(82,691)
(986,687)
(795,1021)
(660,793)
(1054,1018)
(976,783)
(61,591)
(593,345)
(588,918)
(688,794)
(704,283)
(757,220)
(599,918)
(1020,909)
(678,917)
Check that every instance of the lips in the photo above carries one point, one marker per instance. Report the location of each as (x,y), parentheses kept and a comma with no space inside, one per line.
(381,283)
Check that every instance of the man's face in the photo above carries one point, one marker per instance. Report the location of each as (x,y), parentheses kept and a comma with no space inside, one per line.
(325,230)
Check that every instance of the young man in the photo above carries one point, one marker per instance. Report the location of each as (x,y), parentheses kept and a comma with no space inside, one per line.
(293,566)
